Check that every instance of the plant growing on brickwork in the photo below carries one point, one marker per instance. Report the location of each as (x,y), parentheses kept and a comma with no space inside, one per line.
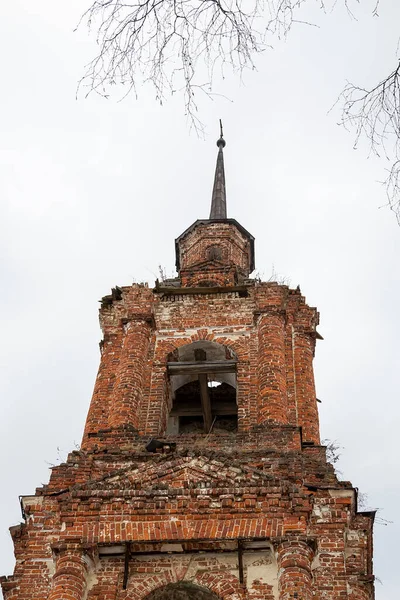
(333,453)
(61,455)
(276,277)
(163,273)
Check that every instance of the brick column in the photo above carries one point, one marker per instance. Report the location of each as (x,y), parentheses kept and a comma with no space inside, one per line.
(130,377)
(69,580)
(362,591)
(306,400)
(294,570)
(99,411)
(272,396)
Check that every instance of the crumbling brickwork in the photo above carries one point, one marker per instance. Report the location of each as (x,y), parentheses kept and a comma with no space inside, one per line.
(268,327)
(227,496)
(218,252)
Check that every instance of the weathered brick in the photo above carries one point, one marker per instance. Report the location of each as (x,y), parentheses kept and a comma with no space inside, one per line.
(255,512)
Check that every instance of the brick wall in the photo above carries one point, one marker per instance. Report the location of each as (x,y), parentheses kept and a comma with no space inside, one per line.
(252,513)
(214,252)
(183,516)
(271,331)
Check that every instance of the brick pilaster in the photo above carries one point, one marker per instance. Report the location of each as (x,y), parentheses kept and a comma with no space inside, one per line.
(307,411)
(69,579)
(102,398)
(272,369)
(131,372)
(294,564)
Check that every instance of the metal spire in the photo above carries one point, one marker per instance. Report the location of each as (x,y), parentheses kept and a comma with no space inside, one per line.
(218,202)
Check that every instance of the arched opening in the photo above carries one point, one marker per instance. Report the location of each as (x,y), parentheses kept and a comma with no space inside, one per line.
(203,389)
(214,253)
(183,590)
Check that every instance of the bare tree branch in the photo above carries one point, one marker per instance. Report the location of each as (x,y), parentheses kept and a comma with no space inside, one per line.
(167,43)
(375,116)
(178,45)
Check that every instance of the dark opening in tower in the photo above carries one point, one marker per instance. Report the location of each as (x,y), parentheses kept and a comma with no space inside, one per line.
(203,389)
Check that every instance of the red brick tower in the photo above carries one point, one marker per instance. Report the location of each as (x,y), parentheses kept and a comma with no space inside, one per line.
(201,473)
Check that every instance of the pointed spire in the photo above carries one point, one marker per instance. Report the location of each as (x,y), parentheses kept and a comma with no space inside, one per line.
(218,202)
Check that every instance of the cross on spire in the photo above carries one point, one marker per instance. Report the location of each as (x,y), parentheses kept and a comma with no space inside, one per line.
(218,201)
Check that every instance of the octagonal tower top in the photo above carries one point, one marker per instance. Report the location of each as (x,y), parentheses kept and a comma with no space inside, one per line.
(217,251)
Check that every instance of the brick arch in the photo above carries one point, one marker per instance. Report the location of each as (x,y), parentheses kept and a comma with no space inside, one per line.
(143,588)
(224,585)
(182,590)
(166,347)
(238,347)
(153,588)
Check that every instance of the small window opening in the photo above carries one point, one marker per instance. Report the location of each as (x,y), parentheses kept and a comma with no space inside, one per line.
(214,253)
(213,384)
(203,390)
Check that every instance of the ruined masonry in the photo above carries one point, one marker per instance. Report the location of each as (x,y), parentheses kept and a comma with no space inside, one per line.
(201,474)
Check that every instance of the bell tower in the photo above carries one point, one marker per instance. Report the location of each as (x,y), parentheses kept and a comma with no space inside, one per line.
(201,474)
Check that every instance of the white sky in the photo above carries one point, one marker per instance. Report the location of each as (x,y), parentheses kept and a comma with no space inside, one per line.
(93,193)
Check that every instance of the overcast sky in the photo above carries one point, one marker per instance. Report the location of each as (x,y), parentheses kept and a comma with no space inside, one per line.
(93,193)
